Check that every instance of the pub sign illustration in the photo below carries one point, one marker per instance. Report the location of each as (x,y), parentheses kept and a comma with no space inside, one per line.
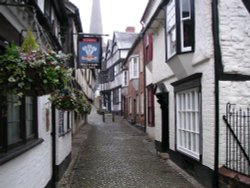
(90,52)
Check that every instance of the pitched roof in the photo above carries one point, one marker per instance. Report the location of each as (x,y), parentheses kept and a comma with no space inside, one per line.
(124,40)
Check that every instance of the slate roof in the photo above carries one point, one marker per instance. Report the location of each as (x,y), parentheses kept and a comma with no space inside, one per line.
(124,40)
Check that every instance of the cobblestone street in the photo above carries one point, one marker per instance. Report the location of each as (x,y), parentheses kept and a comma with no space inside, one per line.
(118,155)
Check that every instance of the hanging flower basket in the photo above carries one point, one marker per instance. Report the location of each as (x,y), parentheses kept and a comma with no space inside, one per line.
(34,73)
(83,105)
(64,100)
(46,72)
(27,70)
(70,100)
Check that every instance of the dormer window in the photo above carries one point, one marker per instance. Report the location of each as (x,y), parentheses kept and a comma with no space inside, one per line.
(179,27)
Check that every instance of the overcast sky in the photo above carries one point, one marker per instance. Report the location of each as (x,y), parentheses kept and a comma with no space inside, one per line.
(116,14)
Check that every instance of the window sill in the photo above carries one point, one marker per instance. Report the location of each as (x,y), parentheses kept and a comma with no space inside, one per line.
(65,133)
(5,157)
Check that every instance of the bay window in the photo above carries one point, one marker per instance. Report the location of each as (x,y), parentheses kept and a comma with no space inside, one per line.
(179,27)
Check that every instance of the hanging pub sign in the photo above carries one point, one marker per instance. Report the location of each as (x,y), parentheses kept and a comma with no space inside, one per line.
(90,52)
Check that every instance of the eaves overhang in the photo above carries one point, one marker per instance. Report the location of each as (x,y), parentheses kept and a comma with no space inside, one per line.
(157,20)
(61,11)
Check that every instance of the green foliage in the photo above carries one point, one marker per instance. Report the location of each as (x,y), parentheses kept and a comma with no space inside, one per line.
(29,42)
(70,100)
(34,72)
(64,99)
(12,71)
(83,106)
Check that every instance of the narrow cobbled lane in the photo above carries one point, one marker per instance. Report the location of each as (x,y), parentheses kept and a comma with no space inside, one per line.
(115,155)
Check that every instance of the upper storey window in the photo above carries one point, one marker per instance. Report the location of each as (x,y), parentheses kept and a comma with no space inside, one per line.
(179,27)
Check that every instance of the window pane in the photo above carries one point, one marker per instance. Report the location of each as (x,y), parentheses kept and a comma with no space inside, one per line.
(142,103)
(61,122)
(170,15)
(187,32)
(171,28)
(29,116)
(185,4)
(13,120)
(188,121)
(68,121)
(135,68)
(172,42)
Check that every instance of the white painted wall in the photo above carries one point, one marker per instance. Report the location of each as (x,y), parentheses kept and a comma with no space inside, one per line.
(235,36)
(160,68)
(63,143)
(234,93)
(235,49)
(200,61)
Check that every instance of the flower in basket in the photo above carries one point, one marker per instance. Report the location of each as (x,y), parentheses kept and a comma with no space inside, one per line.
(12,72)
(83,105)
(46,70)
(64,99)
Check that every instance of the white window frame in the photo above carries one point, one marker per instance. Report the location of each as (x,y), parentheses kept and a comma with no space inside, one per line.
(137,104)
(130,105)
(171,29)
(141,63)
(142,103)
(183,19)
(175,36)
(125,78)
(64,122)
(134,67)
(188,121)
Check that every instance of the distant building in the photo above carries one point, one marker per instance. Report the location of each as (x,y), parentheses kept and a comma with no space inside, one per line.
(133,86)
(111,75)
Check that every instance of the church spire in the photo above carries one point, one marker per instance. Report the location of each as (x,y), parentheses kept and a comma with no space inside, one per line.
(96,18)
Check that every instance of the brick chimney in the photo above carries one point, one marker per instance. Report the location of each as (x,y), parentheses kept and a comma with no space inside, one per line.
(130,29)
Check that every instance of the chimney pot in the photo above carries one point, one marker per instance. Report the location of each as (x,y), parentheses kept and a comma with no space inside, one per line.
(130,29)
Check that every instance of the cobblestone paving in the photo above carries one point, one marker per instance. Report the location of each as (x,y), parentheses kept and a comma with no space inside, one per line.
(116,155)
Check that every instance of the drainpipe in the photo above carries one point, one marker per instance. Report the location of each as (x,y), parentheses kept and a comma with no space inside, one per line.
(53,135)
(144,80)
(217,70)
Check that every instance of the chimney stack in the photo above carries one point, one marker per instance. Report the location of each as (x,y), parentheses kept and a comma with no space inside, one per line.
(130,29)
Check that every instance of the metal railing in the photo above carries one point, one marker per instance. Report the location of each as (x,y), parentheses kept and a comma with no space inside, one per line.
(237,139)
